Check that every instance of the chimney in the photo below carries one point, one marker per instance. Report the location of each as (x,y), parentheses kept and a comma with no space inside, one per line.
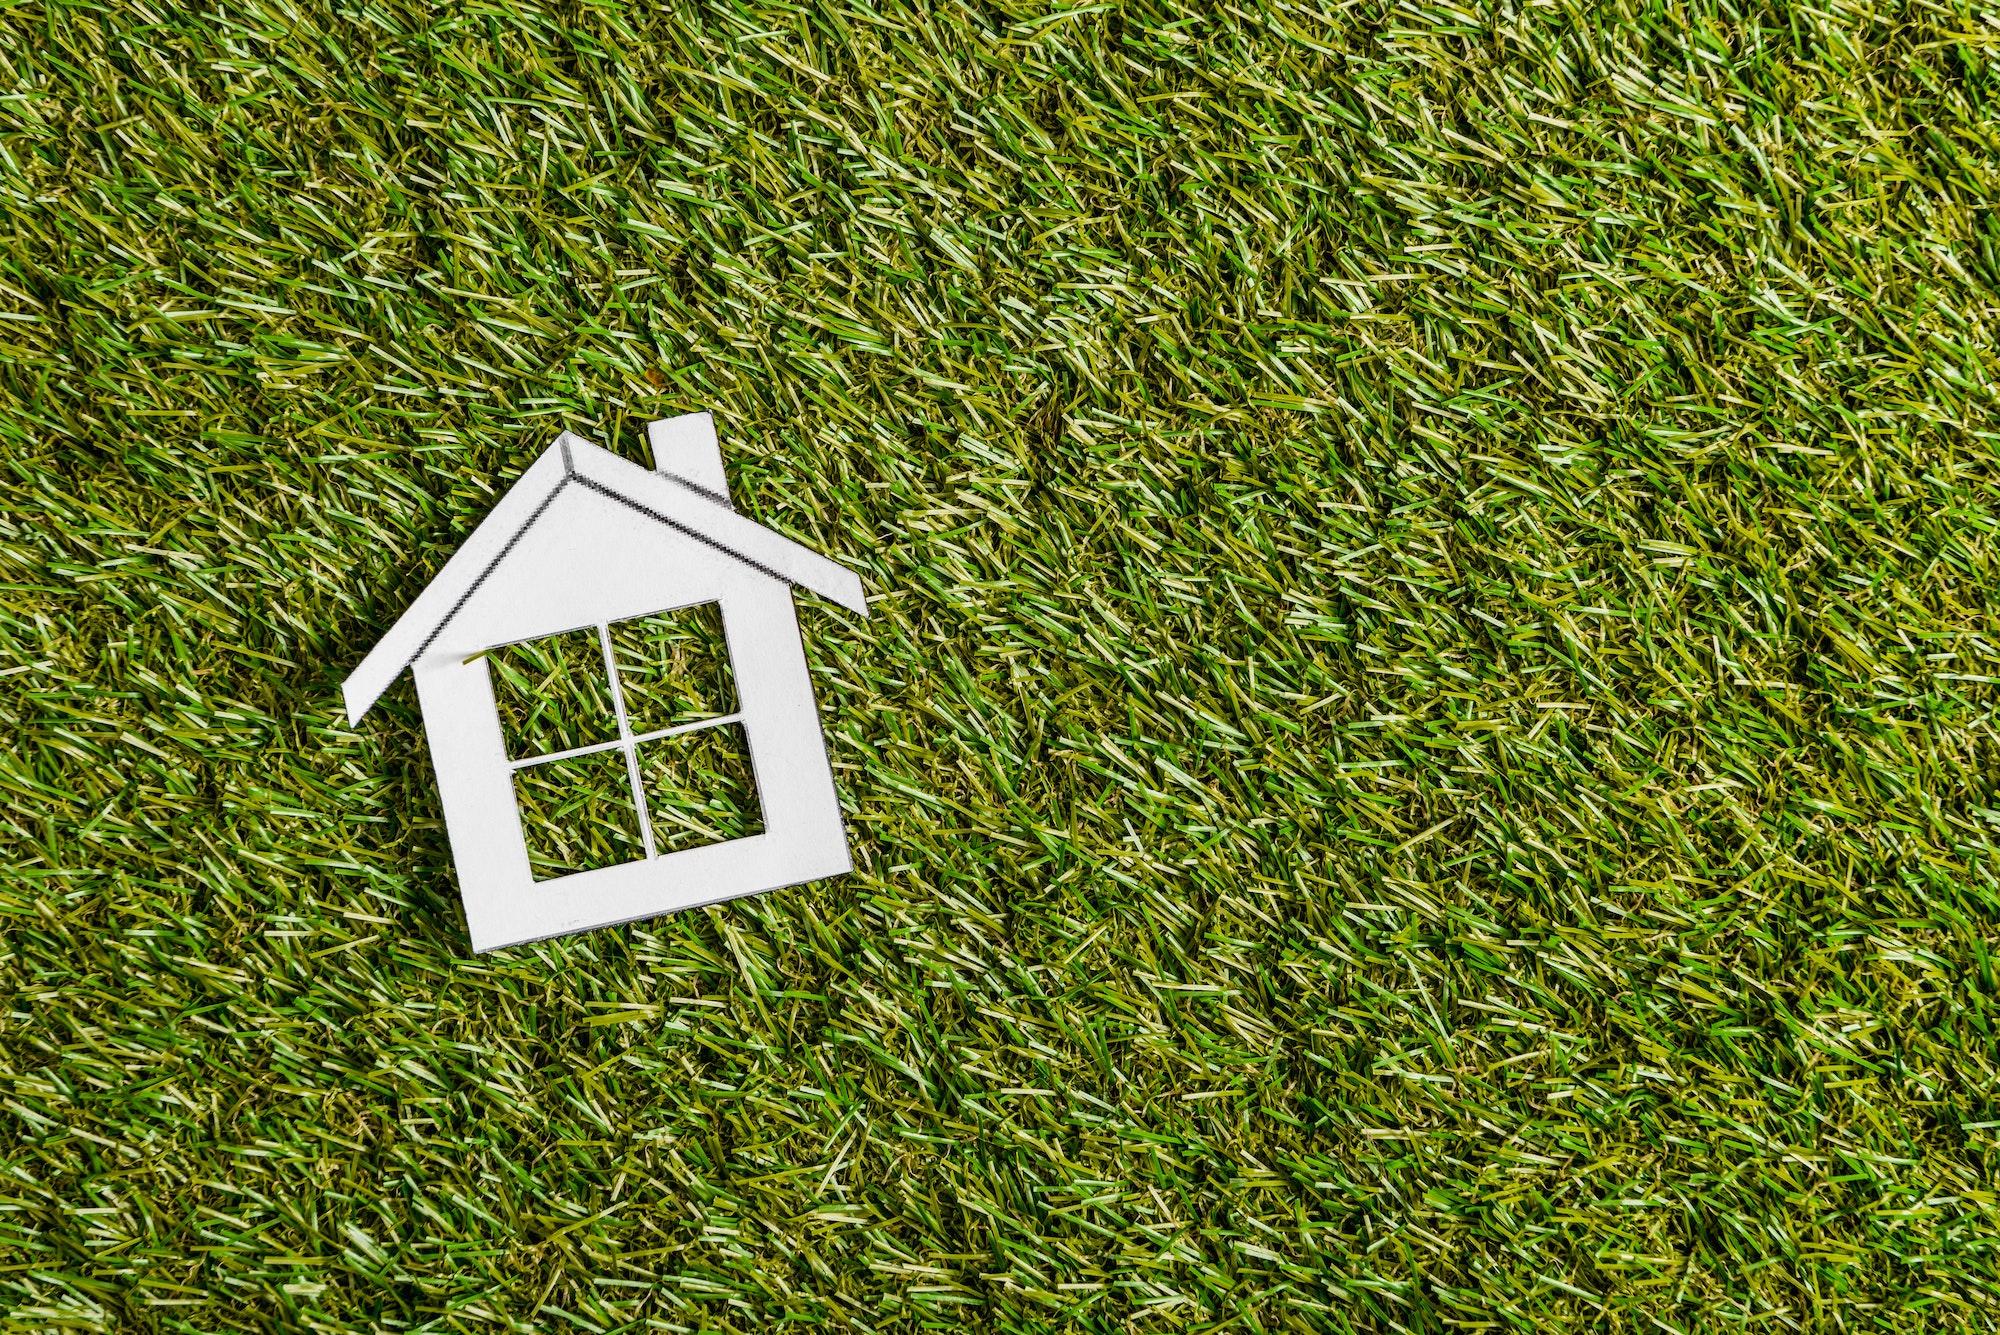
(684,448)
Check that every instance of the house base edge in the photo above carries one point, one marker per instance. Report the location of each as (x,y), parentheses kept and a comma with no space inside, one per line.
(481,946)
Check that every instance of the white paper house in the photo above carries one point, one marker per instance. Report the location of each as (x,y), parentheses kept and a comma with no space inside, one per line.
(587,539)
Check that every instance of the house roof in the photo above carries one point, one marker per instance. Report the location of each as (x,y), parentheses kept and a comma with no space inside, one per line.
(574,462)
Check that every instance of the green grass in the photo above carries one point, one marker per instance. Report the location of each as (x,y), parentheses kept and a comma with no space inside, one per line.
(1423,760)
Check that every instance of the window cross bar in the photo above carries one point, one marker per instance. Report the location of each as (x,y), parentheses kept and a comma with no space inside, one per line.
(626,742)
(637,739)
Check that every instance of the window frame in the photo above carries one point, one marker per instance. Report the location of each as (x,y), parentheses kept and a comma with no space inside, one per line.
(628,741)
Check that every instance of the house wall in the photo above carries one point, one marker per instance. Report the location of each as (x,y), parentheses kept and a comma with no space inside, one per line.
(587,560)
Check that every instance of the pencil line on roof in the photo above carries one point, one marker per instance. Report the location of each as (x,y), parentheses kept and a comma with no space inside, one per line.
(696,488)
(696,534)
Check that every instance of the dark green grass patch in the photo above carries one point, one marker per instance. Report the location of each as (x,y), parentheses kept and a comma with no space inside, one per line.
(1424,758)
(699,787)
(553,694)
(674,667)
(577,814)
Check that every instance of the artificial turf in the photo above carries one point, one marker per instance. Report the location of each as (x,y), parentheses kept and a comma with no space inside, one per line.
(1423,758)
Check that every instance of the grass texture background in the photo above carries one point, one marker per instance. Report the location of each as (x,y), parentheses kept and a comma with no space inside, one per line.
(1424,758)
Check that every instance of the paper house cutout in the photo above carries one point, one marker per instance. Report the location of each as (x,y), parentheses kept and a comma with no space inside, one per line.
(584,541)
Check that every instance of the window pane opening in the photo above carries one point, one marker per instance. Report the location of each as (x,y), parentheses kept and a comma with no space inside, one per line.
(578,815)
(700,788)
(674,668)
(608,692)
(553,694)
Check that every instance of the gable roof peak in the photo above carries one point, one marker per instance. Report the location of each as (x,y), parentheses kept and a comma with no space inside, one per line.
(684,505)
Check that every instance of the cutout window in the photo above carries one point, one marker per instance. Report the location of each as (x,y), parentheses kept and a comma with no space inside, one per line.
(552,694)
(625,741)
(699,789)
(674,668)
